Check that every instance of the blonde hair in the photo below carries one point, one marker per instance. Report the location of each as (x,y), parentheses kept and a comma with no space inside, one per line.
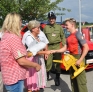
(12,23)
(71,20)
(32,24)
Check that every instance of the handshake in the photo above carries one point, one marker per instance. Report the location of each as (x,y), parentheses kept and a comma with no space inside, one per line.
(47,52)
(38,49)
(29,53)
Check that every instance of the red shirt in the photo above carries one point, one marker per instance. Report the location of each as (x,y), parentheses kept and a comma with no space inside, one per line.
(11,48)
(75,42)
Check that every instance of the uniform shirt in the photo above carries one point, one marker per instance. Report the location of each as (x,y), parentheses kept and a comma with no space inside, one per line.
(11,48)
(75,42)
(55,34)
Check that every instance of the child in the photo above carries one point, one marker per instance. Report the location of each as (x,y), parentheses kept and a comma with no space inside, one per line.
(77,47)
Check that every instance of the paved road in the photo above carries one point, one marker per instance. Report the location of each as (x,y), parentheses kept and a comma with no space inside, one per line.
(65,83)
(64,87)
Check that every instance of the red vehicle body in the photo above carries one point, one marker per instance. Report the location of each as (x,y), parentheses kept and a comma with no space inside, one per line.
(89,56)
(86,33)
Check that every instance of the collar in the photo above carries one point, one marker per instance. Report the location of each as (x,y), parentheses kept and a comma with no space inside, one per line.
(52,25)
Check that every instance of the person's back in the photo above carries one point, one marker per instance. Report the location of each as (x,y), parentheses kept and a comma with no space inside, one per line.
(5,47)
(13,55)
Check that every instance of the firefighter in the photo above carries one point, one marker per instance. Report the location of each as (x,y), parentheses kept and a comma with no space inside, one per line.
(55,35)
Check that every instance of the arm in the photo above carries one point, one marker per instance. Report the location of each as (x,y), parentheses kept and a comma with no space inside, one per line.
(19,52)
(46,56)
(84,52)
(36,47)
(63,49)
(26,63)
(46,41)
(46,48)
(44,52)
(84,45)
(29,54)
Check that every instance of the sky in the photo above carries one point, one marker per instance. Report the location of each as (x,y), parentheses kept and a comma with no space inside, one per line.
(86,10)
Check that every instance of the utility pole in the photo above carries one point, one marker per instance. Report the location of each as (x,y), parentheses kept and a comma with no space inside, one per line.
(61,19)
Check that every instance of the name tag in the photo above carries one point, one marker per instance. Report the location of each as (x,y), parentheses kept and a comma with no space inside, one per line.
(53,34)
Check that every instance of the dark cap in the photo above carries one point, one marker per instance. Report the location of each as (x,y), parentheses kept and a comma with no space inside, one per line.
(51,15)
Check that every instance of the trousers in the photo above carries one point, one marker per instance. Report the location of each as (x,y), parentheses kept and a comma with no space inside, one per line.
(17,87)
(78,84)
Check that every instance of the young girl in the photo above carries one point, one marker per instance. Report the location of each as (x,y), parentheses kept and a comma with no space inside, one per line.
(34,42)
(77,47)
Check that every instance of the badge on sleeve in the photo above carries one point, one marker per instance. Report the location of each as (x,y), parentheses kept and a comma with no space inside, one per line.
(19,54)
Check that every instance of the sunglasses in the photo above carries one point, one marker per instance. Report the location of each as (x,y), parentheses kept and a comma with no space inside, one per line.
(70,19)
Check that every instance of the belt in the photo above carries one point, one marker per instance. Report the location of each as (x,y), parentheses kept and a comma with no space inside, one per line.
(53,43)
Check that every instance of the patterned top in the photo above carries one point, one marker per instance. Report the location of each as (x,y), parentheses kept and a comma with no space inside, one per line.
(11,48)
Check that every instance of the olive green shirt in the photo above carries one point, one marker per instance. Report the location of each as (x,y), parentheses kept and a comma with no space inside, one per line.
(55,34)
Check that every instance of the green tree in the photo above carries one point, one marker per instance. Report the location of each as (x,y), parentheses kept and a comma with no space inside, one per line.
(7,6)
(29,9)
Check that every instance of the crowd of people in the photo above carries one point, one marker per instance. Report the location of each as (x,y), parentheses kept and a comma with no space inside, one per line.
(26,61)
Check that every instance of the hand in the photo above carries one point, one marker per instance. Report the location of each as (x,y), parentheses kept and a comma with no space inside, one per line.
(78,62)
(48,52)
(46,56)
(53,51)
(29,54)
(38,67)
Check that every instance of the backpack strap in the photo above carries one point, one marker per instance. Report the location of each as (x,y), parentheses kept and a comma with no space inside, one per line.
(78,40)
